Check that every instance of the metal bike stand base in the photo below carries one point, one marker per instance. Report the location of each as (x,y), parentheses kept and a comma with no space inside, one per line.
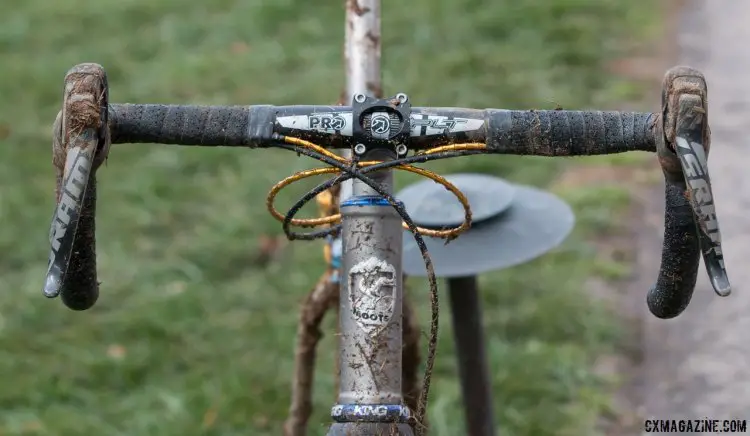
(473,372)
(512,224)
(369,429)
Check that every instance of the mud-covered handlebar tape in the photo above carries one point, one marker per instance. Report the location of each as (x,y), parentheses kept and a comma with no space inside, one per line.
(190,125)
(569,133)
(680,255)
(542,133)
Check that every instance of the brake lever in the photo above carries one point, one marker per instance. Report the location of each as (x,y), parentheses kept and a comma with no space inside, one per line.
(690,222)
(80,145)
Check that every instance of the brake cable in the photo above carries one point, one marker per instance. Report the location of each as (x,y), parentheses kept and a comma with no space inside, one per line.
(346,169)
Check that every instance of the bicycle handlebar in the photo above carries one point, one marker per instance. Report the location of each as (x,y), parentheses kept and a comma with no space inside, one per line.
(679,135)
(545,133)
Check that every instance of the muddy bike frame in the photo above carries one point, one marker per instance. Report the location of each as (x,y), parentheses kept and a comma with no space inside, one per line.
(370,400)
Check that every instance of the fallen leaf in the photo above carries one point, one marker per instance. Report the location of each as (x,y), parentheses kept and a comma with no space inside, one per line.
(261,421)
(176,288)
(116,351)
(239,47)
(209,418)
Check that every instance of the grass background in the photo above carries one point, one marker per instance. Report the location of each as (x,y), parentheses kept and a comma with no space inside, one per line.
(189,336)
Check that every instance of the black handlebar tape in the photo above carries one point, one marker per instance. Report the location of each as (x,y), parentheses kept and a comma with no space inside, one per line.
(569,133)
(680,256)
(190,125)
(80,287)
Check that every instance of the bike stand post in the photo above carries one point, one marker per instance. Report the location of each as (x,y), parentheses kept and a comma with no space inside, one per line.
(473,372)
(511,224)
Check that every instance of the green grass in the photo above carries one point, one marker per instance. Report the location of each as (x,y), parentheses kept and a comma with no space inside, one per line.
(186,324)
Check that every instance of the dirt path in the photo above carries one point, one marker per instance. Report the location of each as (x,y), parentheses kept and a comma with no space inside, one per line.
(698,365)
